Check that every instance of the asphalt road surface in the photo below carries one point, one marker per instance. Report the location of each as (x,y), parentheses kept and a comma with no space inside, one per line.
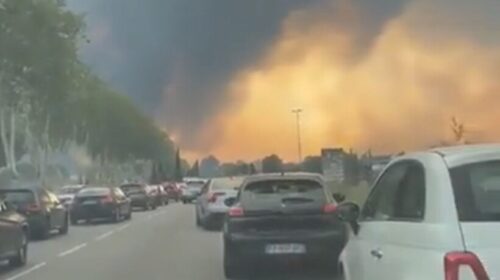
(163,244)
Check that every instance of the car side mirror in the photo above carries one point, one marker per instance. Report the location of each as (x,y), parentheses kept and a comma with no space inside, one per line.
(349,212)
(230,201)
(339,197)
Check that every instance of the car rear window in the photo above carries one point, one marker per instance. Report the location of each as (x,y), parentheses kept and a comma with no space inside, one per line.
(477,191)
(226,184)
(277,192)
(18,197)
(131,189)
(195,185)
(94,192)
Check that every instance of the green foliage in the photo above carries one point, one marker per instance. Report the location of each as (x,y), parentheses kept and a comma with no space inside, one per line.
(272,164)
(58,99)
(179,175)
(195,170)
(312,164)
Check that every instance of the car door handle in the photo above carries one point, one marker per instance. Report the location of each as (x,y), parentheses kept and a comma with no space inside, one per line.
(377,253)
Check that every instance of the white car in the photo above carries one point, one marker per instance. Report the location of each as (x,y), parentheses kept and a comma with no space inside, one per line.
(430,215)
(211,206)
(66,194)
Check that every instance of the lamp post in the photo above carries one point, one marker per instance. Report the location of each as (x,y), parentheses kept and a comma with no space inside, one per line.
(297,113)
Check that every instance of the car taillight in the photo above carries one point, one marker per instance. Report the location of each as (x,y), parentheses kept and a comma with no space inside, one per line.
(235,212)
(107,199)
(453,261)
(329,208)
(212,197)
(33,208)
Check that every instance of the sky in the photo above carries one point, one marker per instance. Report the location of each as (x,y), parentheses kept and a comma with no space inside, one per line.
(222,76)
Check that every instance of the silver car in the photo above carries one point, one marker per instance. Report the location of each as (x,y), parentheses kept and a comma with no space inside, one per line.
(211,206)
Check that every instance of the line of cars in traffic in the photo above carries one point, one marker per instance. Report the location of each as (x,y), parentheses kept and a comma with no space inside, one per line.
(429,215)
(35,212)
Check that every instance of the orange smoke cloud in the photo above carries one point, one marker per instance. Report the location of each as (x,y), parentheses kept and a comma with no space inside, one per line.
(399,95)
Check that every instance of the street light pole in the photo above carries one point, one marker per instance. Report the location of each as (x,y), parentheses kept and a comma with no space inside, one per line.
(297,113)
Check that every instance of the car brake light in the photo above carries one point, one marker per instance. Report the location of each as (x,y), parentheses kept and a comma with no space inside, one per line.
(453,261)
(329,208)
(107,199)
(33,208)
(235,212)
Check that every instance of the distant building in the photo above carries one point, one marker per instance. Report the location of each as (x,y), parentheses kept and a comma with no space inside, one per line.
(332,163)
(340,166)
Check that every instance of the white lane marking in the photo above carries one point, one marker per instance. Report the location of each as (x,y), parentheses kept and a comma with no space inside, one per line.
(122,227)
(27,271)
(72,250)
(105,235)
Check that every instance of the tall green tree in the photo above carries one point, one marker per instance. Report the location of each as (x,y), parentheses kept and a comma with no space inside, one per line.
(178,166)
(195,170)
(272,164)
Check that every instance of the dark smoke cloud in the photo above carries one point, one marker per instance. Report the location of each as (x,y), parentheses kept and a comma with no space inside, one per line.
(174,57)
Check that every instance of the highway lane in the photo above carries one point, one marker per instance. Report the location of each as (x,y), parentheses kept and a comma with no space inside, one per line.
(161,244)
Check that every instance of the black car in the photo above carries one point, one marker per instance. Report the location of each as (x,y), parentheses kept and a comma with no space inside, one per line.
(282,217)
(41,207)
(140,196)
(100,202)
(14,232)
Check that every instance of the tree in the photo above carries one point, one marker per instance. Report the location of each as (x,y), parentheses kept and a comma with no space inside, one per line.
(252,169)
(312,164)
(210,167)
(178,167)
(195,170)
(272,164)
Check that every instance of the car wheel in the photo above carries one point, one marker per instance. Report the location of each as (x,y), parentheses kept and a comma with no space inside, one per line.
(74,221)
(232,268)
(65,228)
(198,221)
(21,255)
(116,216)
(129,215)
(44,232)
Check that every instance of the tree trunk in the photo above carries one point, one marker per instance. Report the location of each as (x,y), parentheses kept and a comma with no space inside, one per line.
(3,135)
(12,147)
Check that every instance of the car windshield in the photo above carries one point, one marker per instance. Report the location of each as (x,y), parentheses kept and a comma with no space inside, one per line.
(273,193)
(69,190)
(477,191)
(132,189)
(18,197)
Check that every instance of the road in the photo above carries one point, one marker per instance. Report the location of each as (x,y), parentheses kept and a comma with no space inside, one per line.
(163,244)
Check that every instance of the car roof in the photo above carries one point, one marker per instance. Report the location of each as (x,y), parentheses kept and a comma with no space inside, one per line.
(468,154)
(284,176)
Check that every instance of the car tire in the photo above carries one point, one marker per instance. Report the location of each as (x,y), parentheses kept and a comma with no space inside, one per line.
(65,228)
(129,215)
(74,221)
(22,253)
(198,221)
(116,216)
(232,269)
(44,232)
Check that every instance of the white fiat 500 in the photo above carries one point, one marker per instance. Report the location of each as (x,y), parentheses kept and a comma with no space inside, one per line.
(430,215)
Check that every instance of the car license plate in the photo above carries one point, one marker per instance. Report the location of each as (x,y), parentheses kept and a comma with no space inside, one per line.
(279,249)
